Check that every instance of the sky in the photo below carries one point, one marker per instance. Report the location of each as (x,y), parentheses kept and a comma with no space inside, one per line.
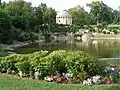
(59,5)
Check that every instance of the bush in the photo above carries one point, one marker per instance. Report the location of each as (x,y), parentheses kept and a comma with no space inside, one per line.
(27,36)
(57,60)
(81,63)
(65,62)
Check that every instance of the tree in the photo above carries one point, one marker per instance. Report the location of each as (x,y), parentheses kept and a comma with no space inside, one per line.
(101,12)
(39,14)
(20,21)
(116,15)
(79,14)
(43,6)
(21,13)
(90,19)
(5,28)
(19,17)
(49,16)
(45,17)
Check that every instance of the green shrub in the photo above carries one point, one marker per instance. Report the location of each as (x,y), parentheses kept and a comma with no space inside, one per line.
(65,62)
(82,63)
(27,36)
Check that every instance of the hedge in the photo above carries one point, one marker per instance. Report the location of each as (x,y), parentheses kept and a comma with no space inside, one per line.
(46,63)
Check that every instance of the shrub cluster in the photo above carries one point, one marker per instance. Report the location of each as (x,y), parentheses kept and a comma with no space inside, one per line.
(45,63)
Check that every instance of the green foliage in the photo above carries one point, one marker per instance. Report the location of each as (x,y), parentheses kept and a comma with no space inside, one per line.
(101,12)
(46,64)
(27,36)
(57,60)
(20,21)
(49,16)
(83,64)
(79,14)
(115,77)
(116,15)
(5,27)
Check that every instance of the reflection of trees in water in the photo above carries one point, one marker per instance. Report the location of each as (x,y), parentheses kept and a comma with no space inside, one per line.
(85,43)
(86,46)
(95,44)
(102,48)
(108,48)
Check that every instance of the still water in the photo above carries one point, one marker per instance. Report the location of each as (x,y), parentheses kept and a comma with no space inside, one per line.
(97,48)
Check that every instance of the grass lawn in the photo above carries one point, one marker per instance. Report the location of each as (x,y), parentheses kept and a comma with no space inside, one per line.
(12,83)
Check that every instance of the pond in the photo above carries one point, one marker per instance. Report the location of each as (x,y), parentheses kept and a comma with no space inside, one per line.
(96,48)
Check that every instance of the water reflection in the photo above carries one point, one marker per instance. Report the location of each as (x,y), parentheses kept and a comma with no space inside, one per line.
(97,48)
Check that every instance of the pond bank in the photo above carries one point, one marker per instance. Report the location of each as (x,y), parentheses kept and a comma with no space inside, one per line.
(96,37)
(21,44)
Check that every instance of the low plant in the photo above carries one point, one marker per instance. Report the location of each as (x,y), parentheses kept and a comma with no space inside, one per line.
(45,63)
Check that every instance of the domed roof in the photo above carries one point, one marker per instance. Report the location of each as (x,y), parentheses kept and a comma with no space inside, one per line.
(63,14)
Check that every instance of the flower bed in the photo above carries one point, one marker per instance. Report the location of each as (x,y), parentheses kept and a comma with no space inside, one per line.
(59,66)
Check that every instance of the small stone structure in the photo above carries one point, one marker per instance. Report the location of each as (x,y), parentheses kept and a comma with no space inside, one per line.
(63,17)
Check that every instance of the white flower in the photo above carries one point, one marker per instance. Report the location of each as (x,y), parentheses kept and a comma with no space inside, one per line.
(49,79)
(87,82)
(113,69)
(96,79)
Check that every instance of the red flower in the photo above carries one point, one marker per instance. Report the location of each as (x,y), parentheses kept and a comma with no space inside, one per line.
(70,79)
(117,65)
(105,80)
(59,79)
(51,76)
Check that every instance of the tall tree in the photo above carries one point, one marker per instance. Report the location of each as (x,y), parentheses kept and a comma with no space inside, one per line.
(21,13)
(78,13)
(116,14)
(43,6)
(5,27)
(49,16)
(101,12)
